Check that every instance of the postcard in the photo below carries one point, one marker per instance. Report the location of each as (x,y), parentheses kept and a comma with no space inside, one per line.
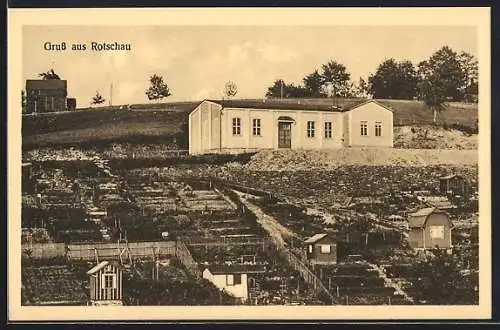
(249,164)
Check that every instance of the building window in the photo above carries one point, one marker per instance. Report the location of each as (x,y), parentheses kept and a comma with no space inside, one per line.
(237,279)
(256,127)
(364,128)
(325,248)
(236,126)
(328,130)
(378,129)
(437,232)
(310,129)
(310,247)
(229,279)
(108,281)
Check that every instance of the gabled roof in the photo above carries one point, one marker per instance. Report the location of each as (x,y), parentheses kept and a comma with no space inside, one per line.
(418,219)
(451,176)
(357,105)
(235,269)
(49,84)
(423,212)
(100,266)
(315,238)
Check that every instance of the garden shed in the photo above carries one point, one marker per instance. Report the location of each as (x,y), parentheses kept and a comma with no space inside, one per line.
(232,278)
(430,228)
(106,283)
(454,184)
(321,249)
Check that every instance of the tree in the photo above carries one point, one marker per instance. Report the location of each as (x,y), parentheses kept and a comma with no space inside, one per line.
(24,102)
(394,80)
(469,66)
(433,95)
(444,67)
(440,281)
(441,79)
(295,91)
(335,75)
(347,90)
(281,89)
(408,78)
(97,99)
(230,90)
(158,89)
(313,83)
(49,75)
(277,89)
(363,88)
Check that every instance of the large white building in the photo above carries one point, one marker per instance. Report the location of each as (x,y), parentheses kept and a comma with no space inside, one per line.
(243,126)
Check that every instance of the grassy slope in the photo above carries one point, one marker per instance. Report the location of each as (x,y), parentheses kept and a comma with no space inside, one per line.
(106,125)
(159,123)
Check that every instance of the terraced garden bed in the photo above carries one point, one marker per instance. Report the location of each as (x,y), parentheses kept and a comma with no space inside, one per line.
(54,284)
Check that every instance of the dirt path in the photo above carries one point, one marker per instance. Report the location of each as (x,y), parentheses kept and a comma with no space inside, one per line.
(270,224)
(390,283)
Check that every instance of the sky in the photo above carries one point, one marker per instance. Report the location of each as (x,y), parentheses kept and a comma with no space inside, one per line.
(197,61)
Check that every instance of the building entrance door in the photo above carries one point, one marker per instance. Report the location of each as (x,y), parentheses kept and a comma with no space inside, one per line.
(284,135)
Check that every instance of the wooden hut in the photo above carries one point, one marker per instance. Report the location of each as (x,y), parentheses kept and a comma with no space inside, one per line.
(106,283)
(454,185)
(321,249)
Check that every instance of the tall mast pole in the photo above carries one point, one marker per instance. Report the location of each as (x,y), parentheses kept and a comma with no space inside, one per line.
(111,95)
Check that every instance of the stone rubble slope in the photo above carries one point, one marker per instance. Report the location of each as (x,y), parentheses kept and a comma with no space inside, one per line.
(290,160)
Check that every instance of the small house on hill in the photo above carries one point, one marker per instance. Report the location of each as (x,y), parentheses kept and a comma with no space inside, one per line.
(321,249)
(106,284)
(232,278)
(430,228)
(46,95)
(454,185)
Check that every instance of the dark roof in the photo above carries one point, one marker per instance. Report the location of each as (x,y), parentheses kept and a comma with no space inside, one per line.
(284,105)
(46,84)
(272,104)
(235,269)
(418,219)
(287,105)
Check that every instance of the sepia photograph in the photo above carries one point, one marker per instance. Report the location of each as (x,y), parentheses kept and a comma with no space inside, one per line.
(209,159)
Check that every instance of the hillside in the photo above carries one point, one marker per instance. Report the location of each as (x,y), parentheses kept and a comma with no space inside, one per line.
(162,122)
(106,126)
